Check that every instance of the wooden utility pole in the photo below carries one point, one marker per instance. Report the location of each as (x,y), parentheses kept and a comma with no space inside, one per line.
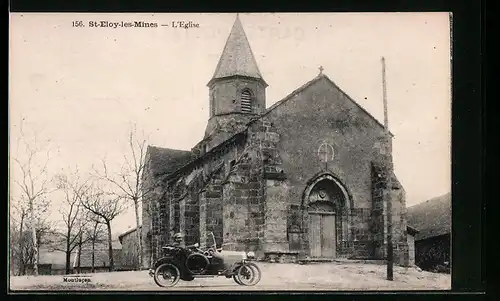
(388,173)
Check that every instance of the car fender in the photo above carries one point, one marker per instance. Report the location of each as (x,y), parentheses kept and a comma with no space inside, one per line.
(185,274)
(167,259)
(235,266)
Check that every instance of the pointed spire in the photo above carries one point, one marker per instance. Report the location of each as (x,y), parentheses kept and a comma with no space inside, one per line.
(237,57)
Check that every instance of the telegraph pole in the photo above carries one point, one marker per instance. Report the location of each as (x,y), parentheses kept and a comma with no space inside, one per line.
(388,172)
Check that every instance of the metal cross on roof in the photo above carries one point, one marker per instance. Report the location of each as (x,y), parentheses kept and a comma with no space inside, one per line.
(321,69)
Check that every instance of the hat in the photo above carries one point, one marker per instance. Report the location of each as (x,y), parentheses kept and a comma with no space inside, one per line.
(177,235)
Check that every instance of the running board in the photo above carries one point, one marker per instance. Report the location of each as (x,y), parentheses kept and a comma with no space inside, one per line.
(207,276)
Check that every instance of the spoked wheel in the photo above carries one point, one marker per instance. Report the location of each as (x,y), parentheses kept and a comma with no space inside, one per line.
(237,279)
(167,275)
(248,274)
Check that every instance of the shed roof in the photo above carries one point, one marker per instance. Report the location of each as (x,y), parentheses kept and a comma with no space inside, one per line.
(411,231)
(120,237)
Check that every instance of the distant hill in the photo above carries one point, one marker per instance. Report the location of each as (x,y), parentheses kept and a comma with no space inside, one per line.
(431,218)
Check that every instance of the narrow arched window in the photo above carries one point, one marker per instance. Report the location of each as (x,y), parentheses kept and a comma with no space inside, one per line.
(246,101)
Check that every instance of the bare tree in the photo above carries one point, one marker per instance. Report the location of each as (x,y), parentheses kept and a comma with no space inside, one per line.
(128,182)
(86,235)
(18,215)
(95,233)
(73,214)
(23,250)
(107,207)
(32,182)
(45,230)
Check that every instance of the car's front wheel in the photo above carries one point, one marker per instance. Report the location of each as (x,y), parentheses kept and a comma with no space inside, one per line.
(167,275)
(248,274)
(237,279)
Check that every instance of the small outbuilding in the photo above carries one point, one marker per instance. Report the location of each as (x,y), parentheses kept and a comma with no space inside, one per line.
(433,241)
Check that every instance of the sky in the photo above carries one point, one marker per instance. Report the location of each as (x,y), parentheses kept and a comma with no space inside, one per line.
(80,89)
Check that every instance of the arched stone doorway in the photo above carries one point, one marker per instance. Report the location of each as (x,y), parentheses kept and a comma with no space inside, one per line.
(326,204)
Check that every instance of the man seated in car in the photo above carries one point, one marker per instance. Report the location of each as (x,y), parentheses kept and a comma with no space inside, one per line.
(178,240)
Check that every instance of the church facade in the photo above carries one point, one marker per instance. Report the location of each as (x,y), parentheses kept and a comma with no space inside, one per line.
(300,179)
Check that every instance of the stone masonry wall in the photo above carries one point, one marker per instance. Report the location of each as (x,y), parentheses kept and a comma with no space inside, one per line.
(272,189)
(192,219)
(379,218)
(360,243)
(320,114)
(244,210)
(323,113)
(211,213)
(275,230)
(227,95)
(194,204)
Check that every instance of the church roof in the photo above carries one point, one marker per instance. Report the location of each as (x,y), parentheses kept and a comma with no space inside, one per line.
(431,218)
(213,151)
(167,160)
(237,57)
(311,82)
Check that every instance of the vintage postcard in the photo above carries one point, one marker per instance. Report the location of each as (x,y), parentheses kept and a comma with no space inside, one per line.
(211,151)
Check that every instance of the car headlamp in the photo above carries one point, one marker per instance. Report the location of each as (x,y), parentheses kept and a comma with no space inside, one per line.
(250,254)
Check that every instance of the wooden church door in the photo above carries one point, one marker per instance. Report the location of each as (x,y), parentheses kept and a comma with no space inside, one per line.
(322,239)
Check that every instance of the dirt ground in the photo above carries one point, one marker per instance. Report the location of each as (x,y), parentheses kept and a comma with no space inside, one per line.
(275,277)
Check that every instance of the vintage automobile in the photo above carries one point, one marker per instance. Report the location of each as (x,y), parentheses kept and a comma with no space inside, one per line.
(191,262)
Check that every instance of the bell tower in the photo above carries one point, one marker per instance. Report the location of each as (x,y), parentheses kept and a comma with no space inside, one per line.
(237,90)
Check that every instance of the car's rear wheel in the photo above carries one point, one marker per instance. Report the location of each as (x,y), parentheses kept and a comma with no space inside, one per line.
(167,275)
(248,274)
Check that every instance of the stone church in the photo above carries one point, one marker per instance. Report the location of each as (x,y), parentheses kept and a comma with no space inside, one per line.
(302,179)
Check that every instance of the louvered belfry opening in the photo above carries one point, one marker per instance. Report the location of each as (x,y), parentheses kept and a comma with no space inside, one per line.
(246,101)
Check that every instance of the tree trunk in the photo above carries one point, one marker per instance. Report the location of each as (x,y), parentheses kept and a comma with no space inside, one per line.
(110,247)
(68,254)
(79,254)
(35,243)
(93,255)
(38,253)
(68,260)
(68,251)
(94,239)
(21,247)
(138,234)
